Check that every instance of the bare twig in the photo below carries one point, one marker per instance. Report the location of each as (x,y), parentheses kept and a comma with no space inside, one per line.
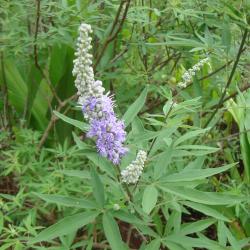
(175,63)
(113,34)
(119,55)
(117,16)
(43,73)
(215,71)
(242,89)
(129,234)
(160,65)
(52,121)
(38,2)
(229,137)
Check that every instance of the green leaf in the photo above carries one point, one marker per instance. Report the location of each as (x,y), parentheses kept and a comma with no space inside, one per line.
(149,199)
(82,174)
(188,242)
(146,230)
(221,232)
(232,240)
(208,198)
(98,189)
(196,226)
(65,226)
(57,65)
(173,246)
(34,96)
(101,162)
(67,240)
(128,217)
(67,201)
(81,125)
(153,245)
(226,37)
(189,135)
(198,148)
(198,174)
(178,42)
(162,162)
(80,144)
(206,210)
(112,232)
(1,222)
(135,108)
(245,151)
(18,94)
(18,245)
(6,246)
(196,164)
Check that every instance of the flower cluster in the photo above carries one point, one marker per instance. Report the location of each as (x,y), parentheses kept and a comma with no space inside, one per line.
(187,76)
(97,107)
(105,127)
(133,171)
(83,70)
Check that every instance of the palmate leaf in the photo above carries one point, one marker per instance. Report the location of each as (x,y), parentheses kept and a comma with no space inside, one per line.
(65,226)
(208,198)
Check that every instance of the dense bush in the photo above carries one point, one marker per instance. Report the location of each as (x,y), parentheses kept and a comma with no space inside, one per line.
(177,74)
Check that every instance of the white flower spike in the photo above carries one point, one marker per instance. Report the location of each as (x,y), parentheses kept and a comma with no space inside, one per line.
(188,75)
(133,171)
(83,70)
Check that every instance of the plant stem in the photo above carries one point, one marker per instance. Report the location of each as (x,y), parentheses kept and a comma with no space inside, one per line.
(52,121)
(124,184)
(230,78)
(43,73)
(113,34)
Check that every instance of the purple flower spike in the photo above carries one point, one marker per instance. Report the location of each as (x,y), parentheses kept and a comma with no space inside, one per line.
(97,108)
(107,129)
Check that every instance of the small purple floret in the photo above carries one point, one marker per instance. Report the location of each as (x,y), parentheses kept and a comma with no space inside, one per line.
(106,128)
